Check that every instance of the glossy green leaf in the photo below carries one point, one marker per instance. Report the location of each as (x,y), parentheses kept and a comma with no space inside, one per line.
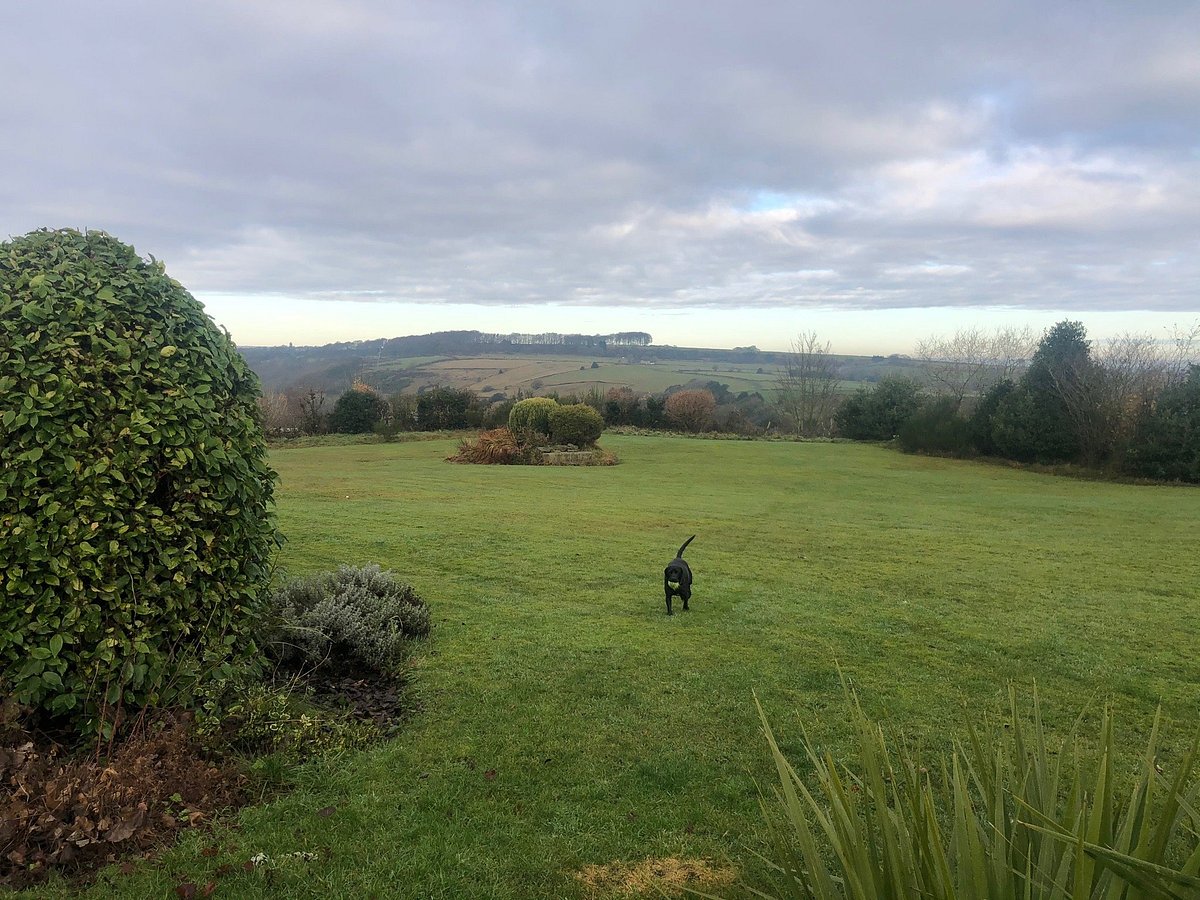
(80,458)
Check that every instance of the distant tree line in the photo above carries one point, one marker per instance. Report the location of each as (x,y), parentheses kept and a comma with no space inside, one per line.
(552,339)
(1128,406)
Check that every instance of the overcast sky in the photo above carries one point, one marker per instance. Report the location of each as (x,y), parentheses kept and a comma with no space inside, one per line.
(717,174)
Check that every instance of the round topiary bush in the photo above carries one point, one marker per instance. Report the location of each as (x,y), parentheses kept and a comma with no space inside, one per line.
(532,415)
(576,423)
(135,526)
(357,411)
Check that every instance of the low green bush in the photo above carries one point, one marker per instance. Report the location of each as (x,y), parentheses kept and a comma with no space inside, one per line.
(445,408)
(1166,442)
(388,431)
(878,413)
(1008,815)
(262,720)
(1027,426)
(532,415)
(496,415)
(983,418)
(357,411)
(936,427)
(359,617)
(576,424)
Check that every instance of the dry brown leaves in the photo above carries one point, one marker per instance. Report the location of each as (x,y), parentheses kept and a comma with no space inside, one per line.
(76,813)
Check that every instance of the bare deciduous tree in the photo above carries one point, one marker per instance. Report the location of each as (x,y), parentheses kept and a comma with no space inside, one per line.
(310,401)
(621,405)
(404,411)
(1135,366)
(1182,353)
(807,387)
(1135,369)
(1011,350)
(972,360)
(275,413)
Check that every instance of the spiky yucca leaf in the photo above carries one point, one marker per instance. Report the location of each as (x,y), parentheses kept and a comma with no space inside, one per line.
(1004,817)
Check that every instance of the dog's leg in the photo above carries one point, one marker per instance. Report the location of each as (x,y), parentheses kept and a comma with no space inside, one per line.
(686,595)
(669,603)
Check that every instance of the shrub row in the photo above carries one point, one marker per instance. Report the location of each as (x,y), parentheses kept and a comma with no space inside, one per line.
(443,408)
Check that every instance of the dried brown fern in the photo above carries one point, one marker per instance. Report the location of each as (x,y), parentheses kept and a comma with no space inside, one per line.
(498,447)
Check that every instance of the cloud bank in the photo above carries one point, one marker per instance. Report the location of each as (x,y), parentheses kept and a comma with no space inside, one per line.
(870,155)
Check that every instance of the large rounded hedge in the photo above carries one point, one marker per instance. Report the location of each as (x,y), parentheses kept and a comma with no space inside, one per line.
(135,494)
(532,415)
(575,423)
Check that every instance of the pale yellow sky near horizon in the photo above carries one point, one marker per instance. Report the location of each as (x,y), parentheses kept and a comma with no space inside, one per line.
(273,320)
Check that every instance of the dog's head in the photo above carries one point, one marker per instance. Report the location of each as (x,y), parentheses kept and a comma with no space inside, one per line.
(677,572)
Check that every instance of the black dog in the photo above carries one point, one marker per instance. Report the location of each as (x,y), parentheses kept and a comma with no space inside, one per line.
(677,578)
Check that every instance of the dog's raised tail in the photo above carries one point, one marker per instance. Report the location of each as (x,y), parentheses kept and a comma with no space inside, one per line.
(684,547)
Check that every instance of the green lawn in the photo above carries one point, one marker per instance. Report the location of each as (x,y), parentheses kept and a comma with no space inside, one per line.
(616,733)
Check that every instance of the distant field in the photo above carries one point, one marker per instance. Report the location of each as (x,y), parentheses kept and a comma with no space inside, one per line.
(334,368)
(568,374)
(569,722)
(575,375)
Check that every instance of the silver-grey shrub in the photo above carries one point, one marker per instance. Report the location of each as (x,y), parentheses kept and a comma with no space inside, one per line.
(357,617)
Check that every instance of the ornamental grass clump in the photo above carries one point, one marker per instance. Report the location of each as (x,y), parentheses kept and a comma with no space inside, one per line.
(497,447)
(357,618)
(1007,815)
(136,534)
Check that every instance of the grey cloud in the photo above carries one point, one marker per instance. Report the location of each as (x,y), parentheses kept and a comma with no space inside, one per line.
(686,154)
